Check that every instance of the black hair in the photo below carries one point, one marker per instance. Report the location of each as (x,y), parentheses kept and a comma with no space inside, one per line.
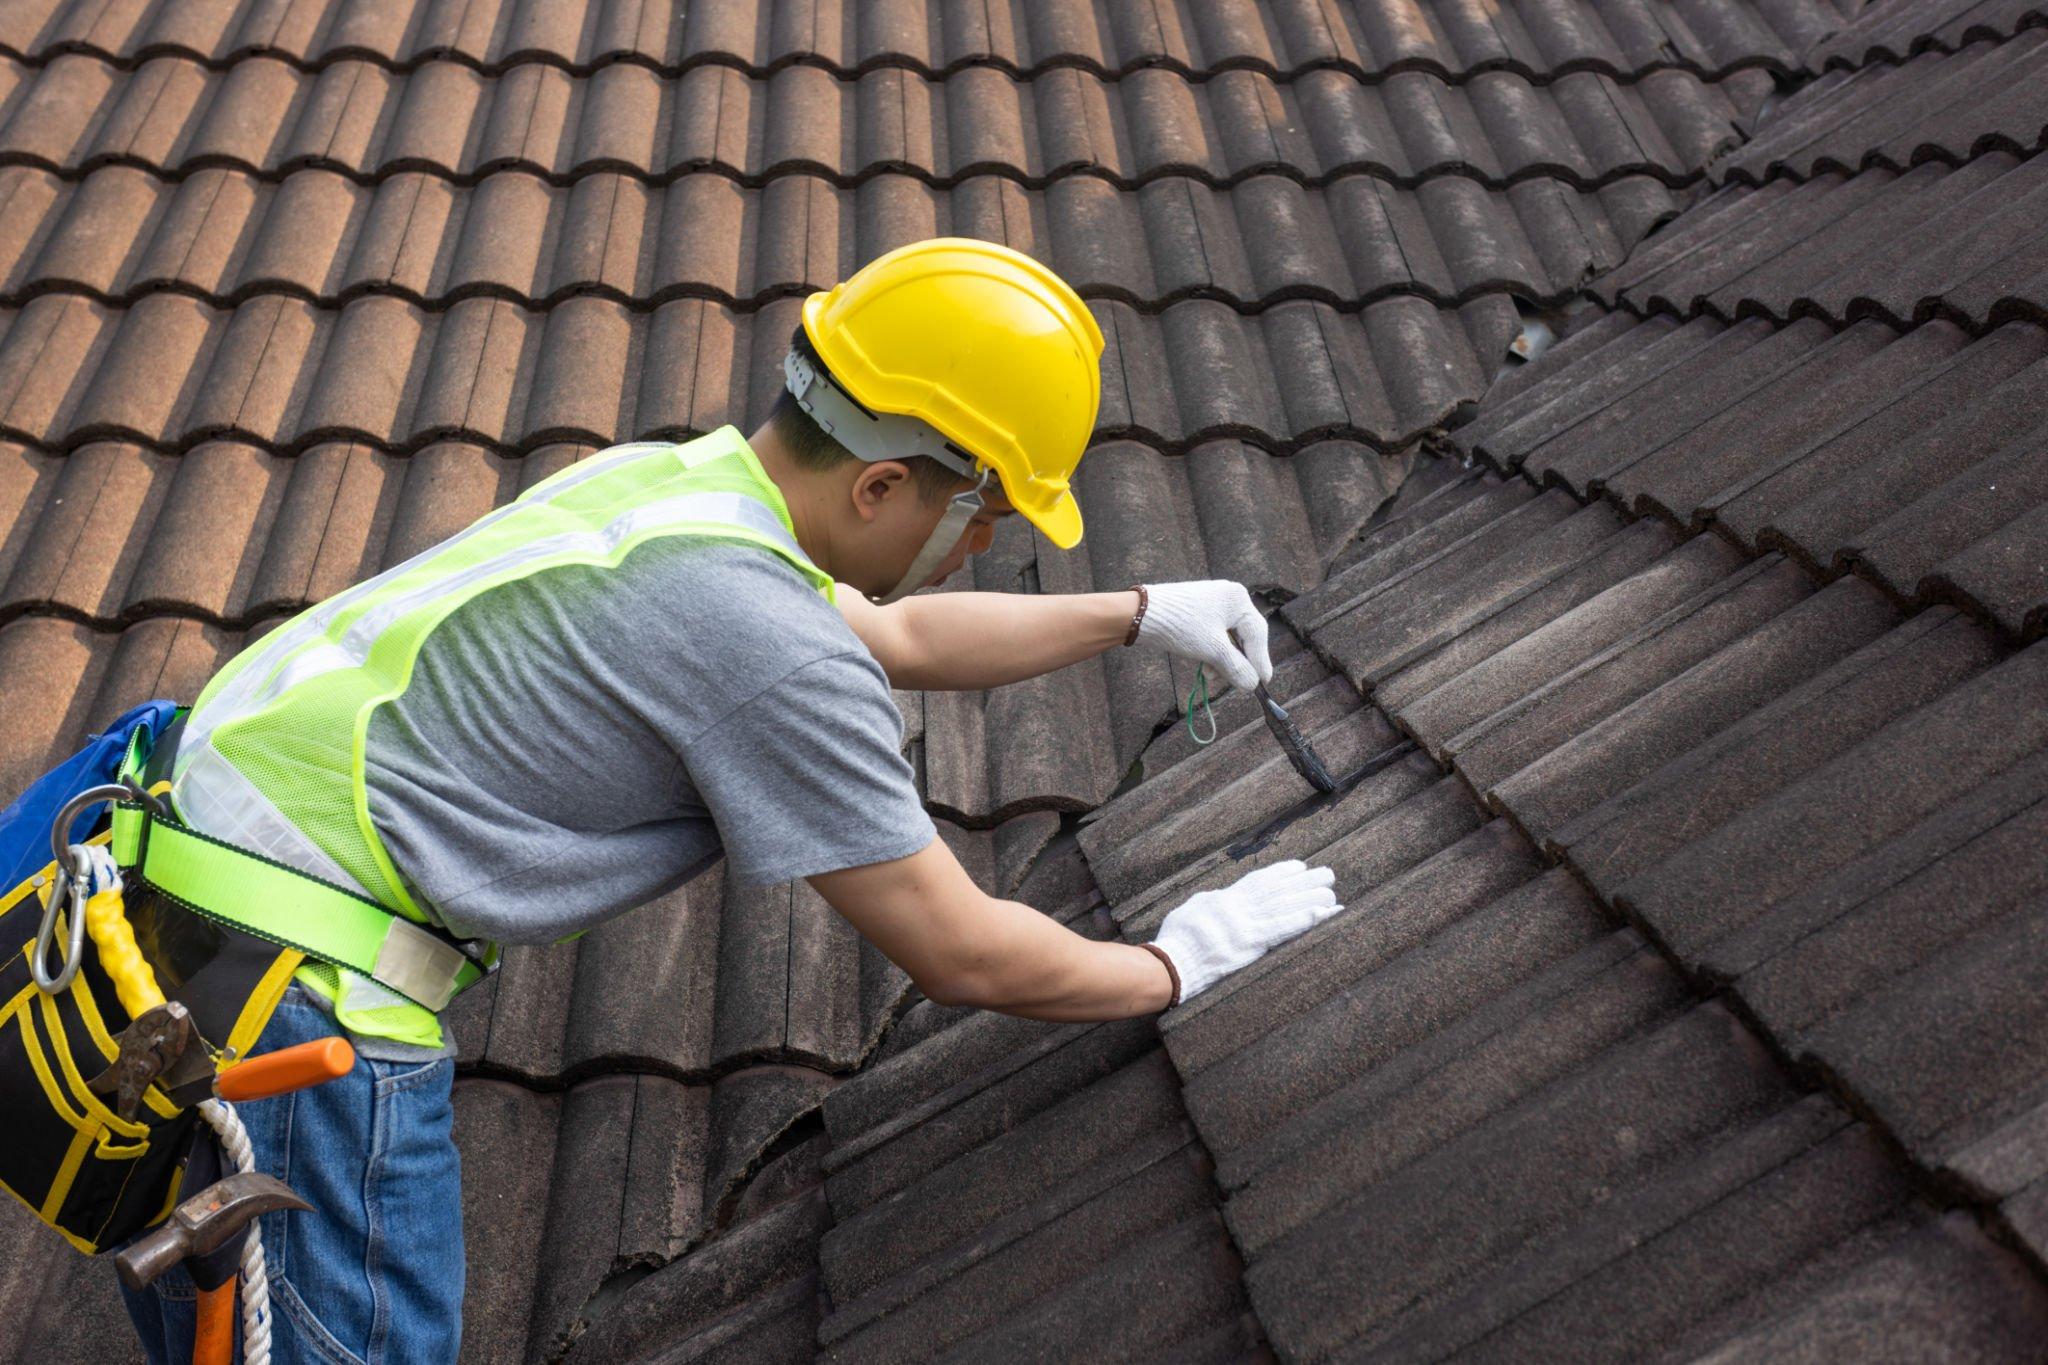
(811,447)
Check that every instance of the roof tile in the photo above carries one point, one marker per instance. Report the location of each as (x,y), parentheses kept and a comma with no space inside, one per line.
(1610,755)
(965,1191)
(1445,36)
(1925,744)
(1666,1260)
(1457,913)
(368,121)
(354,377)
(1943,1287)
(1434,693)
(753,1290)
(1542,1028)
(66,1306)
(1886,462)
(282,373)
(1932,242)
(1773,746)
(1685,633)
(1941,105)
(1894,30)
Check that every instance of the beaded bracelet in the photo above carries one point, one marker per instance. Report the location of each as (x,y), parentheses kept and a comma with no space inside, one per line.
(1131,635)
(1172,975)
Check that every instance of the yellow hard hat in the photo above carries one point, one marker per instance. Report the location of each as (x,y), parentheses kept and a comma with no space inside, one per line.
(982,344)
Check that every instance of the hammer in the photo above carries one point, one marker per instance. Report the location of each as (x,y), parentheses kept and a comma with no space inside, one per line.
(203,1223)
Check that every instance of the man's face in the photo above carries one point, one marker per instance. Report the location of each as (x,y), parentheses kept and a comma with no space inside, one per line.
(980,532)
(897,520)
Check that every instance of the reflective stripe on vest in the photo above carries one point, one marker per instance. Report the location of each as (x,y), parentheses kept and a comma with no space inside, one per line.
(272,757)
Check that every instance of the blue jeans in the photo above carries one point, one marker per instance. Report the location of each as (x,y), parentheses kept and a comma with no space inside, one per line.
(374,1273)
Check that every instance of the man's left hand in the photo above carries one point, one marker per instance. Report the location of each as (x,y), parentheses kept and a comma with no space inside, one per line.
(1194,620)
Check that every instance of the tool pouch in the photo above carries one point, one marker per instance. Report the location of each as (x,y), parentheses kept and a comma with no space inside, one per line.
(78,1165)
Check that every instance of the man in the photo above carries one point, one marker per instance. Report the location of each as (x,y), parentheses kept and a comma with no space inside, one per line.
(660,655)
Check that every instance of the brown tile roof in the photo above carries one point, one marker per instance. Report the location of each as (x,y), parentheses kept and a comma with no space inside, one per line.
(1448,38)
(260,114)
(228,236)
(1685,996)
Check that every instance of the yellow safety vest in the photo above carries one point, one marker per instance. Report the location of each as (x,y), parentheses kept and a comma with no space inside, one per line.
(272,755)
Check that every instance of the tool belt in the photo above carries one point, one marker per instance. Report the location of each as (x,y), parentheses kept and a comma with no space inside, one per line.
(221,930)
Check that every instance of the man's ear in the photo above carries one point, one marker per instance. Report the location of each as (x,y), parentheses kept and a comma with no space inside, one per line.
(874,484)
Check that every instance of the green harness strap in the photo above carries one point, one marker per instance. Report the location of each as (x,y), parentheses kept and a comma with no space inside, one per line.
(249,892)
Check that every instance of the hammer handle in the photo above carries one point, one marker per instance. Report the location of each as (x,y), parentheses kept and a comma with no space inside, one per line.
(213,1337)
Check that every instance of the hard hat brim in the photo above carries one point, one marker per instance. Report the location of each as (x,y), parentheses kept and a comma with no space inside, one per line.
(1061,522)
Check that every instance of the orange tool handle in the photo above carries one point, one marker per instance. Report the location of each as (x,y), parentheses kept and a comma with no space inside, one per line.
(213,1337)
(287,1069)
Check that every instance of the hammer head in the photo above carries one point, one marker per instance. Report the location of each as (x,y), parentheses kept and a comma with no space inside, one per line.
(203,1222)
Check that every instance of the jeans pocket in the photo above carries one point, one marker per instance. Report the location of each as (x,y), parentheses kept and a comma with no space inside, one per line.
(396,1078)
(308,1337)
(413,1192)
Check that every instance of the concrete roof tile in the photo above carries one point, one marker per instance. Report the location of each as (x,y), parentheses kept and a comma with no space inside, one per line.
(1448,1214)
(752,1290)
(1444,36)
(1734,769)
(1666,723)
(1687,632)
(1948,105)
(1894,30)
(1928,764)
(1690,1252)
(1544,1027)
(1015,1169)
(479,276)
(263,114)
(1944,1287)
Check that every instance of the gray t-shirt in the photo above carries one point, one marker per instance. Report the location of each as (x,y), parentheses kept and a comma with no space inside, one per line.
(582,740)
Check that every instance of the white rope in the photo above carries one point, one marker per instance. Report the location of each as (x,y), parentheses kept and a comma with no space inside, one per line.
(234,1141)
(101,871)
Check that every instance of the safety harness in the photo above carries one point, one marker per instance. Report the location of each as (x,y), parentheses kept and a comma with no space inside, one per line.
(256,895)
(287,907)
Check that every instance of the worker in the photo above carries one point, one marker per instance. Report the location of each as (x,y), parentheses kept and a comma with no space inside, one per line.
(666,653)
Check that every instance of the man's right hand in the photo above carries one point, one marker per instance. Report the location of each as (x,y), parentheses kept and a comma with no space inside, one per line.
(1196,621)
(1212,934)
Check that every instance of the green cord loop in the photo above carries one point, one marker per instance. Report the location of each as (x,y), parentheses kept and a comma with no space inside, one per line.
(1201,686)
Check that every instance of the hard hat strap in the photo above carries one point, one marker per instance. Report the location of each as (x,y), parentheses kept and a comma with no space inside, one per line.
(871,436)
(959,511)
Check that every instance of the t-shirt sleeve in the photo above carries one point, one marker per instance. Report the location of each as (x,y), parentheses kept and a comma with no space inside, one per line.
(808,776)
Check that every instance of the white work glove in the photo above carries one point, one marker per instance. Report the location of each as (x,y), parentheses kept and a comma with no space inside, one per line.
(1211,935)
(1193,620)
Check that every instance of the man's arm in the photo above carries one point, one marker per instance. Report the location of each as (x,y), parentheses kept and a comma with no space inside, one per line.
(958,640)
(955,641)
(963,946)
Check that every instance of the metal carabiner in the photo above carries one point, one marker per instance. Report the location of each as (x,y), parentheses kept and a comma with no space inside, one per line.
(72,883)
